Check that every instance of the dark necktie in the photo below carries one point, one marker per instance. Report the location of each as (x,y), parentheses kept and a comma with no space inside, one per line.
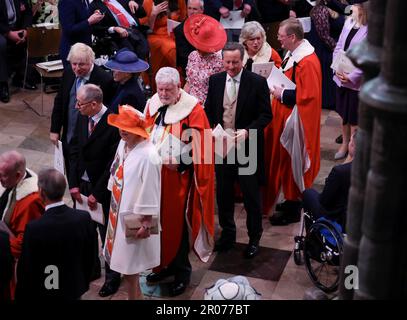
(285,61)
(249,64)
(91,126)
(162,111)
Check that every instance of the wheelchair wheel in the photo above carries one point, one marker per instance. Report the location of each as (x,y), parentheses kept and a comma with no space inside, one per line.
(298,247)
(322,255)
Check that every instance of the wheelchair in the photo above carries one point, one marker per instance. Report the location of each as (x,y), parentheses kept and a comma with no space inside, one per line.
(321,250)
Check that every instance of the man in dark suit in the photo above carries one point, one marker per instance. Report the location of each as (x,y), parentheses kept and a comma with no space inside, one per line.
(182,46)
(92,151)
(121,23)
(76,22)
(81,70)
(332,202)
(15,17)
(58,249)
(239,101)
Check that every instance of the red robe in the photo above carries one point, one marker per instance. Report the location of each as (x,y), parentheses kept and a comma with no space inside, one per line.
(190,194)
(308,79)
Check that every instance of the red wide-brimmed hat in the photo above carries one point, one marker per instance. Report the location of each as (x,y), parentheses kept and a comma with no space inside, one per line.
(205,33)
(130,120)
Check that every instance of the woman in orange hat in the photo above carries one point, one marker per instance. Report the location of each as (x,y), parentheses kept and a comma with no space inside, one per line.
(135,183)
(208,37)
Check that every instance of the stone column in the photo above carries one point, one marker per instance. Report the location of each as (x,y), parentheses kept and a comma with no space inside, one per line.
(382,259)
(367,57)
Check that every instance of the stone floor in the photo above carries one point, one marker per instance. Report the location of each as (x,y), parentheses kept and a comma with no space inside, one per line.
(24,126)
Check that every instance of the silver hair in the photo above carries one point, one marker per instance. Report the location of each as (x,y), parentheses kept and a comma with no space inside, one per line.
(91,92)
(168,75)
(82,52)
(201,2)
(250,30)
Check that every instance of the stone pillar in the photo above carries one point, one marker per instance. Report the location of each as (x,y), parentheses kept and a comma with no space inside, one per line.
(367,57)
(382,259)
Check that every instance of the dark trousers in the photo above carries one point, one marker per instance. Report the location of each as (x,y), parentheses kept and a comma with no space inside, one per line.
(181,266)
(12,58)
(310,202)
(110,275)
(226,175)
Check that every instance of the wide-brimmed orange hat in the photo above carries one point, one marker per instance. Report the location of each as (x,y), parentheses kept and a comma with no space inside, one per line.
(130,120)
(205,33)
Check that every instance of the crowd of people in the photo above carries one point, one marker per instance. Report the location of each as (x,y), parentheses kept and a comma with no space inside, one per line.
(210,129)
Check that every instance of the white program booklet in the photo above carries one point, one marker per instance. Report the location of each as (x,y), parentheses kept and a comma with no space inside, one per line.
(306,23)
(234,21)
(96,215)
(278,78)
(59,163)
(224,141)
(171,147)
(171,25)
(342,63)
(263,69)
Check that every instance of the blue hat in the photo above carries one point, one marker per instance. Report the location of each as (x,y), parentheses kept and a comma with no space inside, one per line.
(126,61)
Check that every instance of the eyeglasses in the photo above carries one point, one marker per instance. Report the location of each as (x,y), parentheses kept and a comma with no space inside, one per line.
(79,104)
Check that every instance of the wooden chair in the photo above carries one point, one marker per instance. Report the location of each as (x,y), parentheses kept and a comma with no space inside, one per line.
(42,42)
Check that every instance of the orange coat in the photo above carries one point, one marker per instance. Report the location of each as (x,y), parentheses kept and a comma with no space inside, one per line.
(279,175)
(189,194)
(162,45)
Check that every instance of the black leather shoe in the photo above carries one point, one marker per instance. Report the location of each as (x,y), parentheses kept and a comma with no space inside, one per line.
(251,250)
(4,93)
(176,288)
(158,276)
(284,219)
(109,288)
(223,246)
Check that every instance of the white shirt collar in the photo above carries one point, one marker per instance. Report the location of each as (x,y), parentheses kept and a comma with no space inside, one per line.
(100,114)
(53,205)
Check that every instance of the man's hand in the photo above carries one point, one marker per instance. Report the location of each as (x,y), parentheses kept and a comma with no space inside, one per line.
(76,195)
(92,202)
(95,17)
(277,92)
(14,36)
(133,6)
(343,78)
(246,10)
(54,137)
(241,135)
(121,31)
(224,12)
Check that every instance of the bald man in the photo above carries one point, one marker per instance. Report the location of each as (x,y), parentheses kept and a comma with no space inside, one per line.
(19,199)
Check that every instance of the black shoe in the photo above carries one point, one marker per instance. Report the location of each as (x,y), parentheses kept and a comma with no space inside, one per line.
(159,276)
(4,93)
(109,288)
(284,219)
(223,246)
(176,288)
(28,85)
(251,250)
(339,139)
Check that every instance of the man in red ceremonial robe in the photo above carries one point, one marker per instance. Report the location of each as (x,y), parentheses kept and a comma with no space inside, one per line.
(19,200)
(187,188)
(294,133)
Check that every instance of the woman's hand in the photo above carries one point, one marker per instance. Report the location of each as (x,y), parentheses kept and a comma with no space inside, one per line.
(157,9)
(343,78)
(133,6)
